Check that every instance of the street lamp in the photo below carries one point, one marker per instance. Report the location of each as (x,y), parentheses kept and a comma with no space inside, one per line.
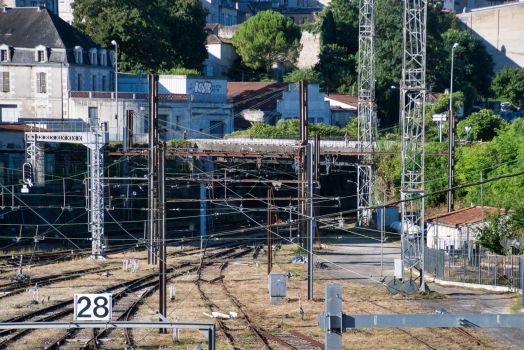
(114,43)
(451,83)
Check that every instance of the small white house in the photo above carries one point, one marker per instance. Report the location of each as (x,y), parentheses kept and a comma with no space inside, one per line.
(450,230)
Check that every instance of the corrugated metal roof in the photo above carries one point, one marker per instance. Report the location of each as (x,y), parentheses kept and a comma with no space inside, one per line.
(255,95)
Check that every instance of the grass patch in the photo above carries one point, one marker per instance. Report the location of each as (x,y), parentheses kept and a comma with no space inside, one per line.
(430,295)
(515,309)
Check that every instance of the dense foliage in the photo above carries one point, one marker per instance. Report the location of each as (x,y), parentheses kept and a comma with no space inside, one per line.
(152,35)
(266,39)
(504,154)
(291,128)
(484,126)
(508,85)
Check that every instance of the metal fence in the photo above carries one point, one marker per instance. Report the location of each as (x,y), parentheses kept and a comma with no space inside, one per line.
(467,266)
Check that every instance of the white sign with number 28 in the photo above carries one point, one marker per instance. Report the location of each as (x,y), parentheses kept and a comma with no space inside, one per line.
(93,307)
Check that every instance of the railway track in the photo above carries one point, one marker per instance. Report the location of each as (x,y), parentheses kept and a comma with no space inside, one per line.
(440,332)
(231,329)
(292,339)
(20,287)
(63,309)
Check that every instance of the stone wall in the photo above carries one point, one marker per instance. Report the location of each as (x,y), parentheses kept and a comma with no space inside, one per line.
(310,50)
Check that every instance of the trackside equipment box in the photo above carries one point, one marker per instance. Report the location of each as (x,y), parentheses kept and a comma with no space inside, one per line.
(277,287)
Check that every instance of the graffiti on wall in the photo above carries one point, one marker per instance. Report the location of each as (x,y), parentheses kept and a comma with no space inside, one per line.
(203,87)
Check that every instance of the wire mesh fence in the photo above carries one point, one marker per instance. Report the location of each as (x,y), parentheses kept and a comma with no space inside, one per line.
(465,265)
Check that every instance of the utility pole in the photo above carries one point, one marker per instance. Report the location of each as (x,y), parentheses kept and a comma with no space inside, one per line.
(162,233)
(302,160)
(153,171)
(451,159)
(412,107)
(310,222)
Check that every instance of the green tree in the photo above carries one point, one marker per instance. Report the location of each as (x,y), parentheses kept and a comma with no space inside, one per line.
(309,75)
(337,68)
(471,64)
(345,15)
(496,228)
(328,29)
(266,39)
(440,106)
(508,85)
(152,35)
(484,125)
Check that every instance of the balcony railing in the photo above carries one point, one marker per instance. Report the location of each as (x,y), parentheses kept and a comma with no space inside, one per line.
(126,95)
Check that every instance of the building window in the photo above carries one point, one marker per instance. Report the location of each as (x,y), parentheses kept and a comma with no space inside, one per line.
(41,85)
(209,71)
(78,55)
(3,55)
(177,122)
(4,81)
(104,83)
(293,19)
(79,82)
(93,114)
(41,56)
(228,20)
(94,82)
(222,19)
(234,21)
(212,18)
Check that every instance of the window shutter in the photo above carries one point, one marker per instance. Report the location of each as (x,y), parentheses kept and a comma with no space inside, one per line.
(38,83)
(6,81)
(2,80)
(43,83)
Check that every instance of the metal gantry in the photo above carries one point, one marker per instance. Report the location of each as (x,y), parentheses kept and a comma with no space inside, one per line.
(412,107)
(95,140)
(366,113)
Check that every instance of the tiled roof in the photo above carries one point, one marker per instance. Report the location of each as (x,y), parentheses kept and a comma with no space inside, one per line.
(214,39)
(252,95)
(465,216)
(210,26)
(347,99)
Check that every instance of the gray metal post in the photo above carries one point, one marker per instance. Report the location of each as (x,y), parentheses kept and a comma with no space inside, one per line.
(303,114)
(333,316)
(521,275)
(162,233)
(451,158)
(202,209)
(310,161)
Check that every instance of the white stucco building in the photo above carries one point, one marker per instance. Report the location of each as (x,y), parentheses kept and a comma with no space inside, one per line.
(450,231)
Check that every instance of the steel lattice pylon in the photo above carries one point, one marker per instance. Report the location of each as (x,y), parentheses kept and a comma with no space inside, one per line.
(366,114)
(96,184)
(412,105)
